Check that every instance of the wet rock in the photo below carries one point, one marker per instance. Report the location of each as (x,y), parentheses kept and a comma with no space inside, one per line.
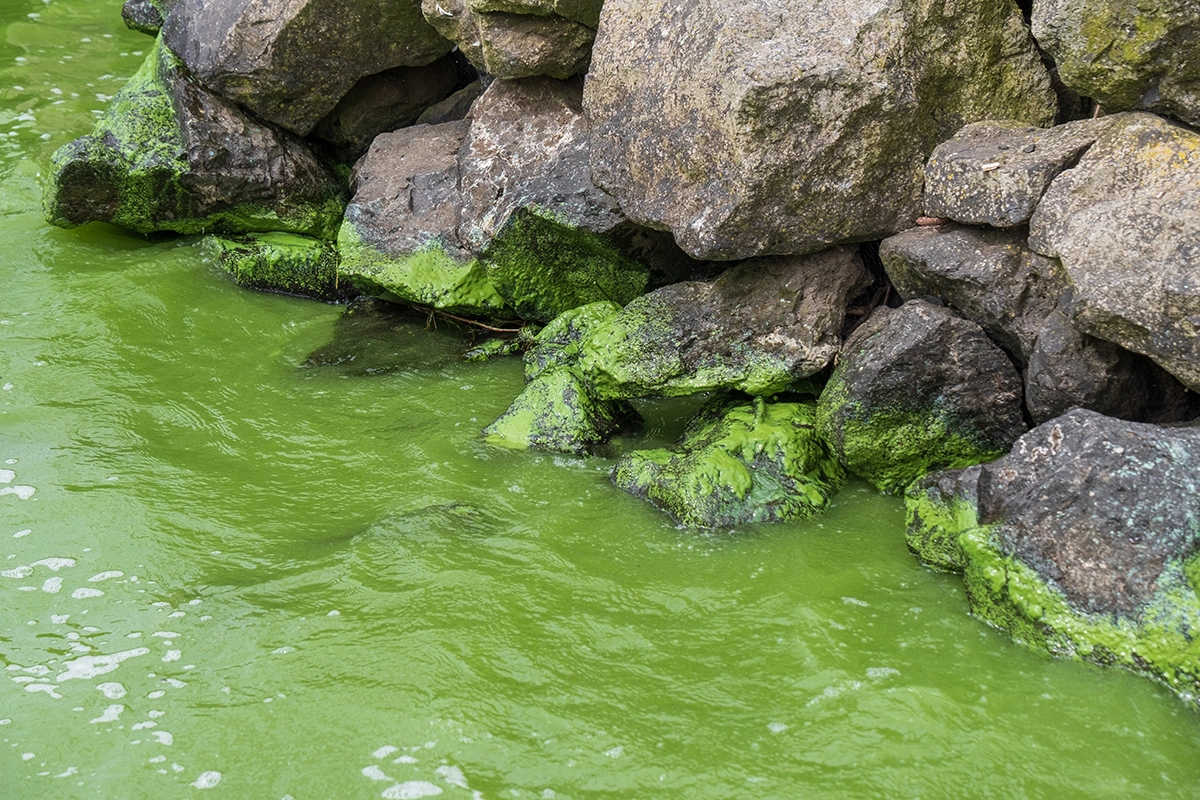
(384,102)
(758,328)
(938,508)
(281,262)
(1126,225)
(917,389)
(559,412)
(519,38)
(1081,542)
(455,107)
(291,61)
(1126,55)
(735,464)
(767,128)
(169,156)
(994,173)
(146,16)
(560,344)
(374,337)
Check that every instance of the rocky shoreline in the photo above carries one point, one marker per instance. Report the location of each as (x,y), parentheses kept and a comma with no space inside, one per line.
(950,248)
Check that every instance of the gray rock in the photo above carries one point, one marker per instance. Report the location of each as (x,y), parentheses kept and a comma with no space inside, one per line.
(759,327)
(1127,55)
(771,128)
(1126,225)
(146,16)
(291,61)
(384,102)
(994,173)
(917,389)
(560,344)
(519,38)
(455,107)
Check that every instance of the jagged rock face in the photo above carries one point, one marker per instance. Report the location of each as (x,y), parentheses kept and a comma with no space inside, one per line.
(1127,54)
(759,327)
(774,128)
(291,61)
(736,464)
(917,389)
(146,16)
(169,156)
(1126,225)
(519,38)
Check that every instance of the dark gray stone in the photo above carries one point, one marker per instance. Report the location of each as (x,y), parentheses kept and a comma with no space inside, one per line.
(146,16)
(455,107)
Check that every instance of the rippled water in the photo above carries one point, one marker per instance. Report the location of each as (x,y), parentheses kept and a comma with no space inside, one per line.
(224,572)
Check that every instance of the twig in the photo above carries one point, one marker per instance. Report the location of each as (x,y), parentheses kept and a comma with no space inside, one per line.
(434,313)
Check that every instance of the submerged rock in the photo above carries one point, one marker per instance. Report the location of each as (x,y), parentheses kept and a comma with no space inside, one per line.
(374,337)
(917,389)
(281,262)
(735,464)
(291,61)
(146,16)
(758,328)
(1082,542)
(770,128)
(169,156)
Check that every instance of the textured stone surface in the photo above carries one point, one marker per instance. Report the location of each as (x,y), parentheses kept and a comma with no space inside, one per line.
(455,107)
(560,344)
(146,16)
(771,128)
(1126,225)
(994,173)
(1127,54)
(758,328)
(917,389)
(169,156)
(519,38)
(1081,542)
(291,61)
(281,262)
(735,464)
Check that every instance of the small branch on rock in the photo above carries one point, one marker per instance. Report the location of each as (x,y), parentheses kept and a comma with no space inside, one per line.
(435,313)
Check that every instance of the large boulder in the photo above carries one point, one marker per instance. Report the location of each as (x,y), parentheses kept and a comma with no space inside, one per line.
(771,128)
(759,327)
(1082,542)
(519,38)
(917,389)
(1127,54)
(1126,224)
(291,61)
(735,464)
(168,155)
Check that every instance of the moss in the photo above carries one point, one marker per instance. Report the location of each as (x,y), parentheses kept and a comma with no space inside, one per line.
(1116,56)
(281,262)
(430,276)
(561,342)
(738,464)
(934,521)
(543,267)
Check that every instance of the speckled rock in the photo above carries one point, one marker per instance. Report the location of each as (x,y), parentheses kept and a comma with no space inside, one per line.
(1126,225)
(291,61)
(1127,54)
(916,389)
(772,128)
(758,328)
(455,107)
(169,156)
(281,262)
(1082,542)
(146,16)
(994,173)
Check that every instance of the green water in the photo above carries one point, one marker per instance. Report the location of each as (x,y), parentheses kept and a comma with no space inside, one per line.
(316,582)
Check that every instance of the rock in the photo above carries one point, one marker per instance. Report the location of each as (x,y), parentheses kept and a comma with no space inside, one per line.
(736,464)
(1082,542)
(560,344)
(559,412)
(291,61)
(767,128)
(917,389)
(384,102)
(1126,224)
(281,262)
(169,156)
(374,337)
(938,508)
(519,38)
(1126,55)
(994,173)
(758,328)
(146,16)
(455,107)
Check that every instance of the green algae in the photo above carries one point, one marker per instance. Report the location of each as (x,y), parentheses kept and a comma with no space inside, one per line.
(281,262)
(934,521)
(738,464)
(560,343)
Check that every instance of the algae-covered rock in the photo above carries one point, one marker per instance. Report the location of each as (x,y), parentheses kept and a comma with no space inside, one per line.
(939,507)
(560,344)
(557,411)
(738,463)
(1127,54)
(146,16)
(759,327)
(1082,542)
(1126,224)
(776,127)
(291,61)
(917,389)
(281,262)
(375,337)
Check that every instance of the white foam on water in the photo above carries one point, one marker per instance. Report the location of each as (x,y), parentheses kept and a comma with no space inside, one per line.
(157,759)
(173,655)
(877,673)
(68,772)
(165,635)
(22,534)
(141,726)
(154,714)
(88,667)
(44,687)
(156,694)
(385,751)
(777,727)
(411,790)
(111,714)
(375,773)
(59,619)
(854,601)
(207,780)
(174,683)
(22,492)
(5,721)
(163,737)
(52,585)
(616,752)
(103,576)
(453,776)
(27,756)
(83,593)
(280,651)
(112,690)
(17,572)
(7,475)
(405,760)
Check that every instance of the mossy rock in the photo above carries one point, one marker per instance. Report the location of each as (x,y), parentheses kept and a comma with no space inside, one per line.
(738,463)
(281,262)
(560,344)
